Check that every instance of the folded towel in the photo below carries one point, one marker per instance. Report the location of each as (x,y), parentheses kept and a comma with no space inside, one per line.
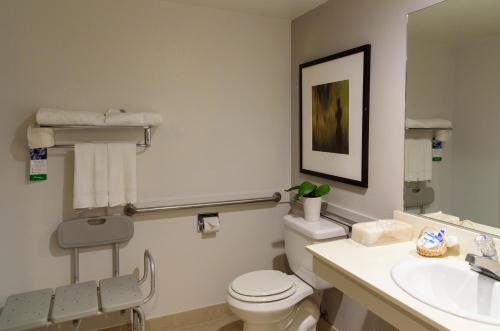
(40,137)
(45,116)
(428,123)
(90,188)
(117,117)
(418,160)
(122,187)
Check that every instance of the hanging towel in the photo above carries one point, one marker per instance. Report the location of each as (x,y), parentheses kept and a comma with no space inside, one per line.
(90,188)
(122,187)
(418,159)
(46,116)
(40,137)
(119,117)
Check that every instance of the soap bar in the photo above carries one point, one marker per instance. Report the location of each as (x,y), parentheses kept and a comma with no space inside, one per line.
(381,232)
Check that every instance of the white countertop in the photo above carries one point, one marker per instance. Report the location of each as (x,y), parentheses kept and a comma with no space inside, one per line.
(371,266)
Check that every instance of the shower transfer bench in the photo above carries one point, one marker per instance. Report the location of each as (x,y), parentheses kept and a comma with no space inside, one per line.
(80,300)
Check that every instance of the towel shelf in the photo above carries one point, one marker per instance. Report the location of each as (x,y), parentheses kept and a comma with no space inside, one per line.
(147,132)
(131,209)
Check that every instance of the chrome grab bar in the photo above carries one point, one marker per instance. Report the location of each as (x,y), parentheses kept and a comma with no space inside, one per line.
(131,209)
(149,267)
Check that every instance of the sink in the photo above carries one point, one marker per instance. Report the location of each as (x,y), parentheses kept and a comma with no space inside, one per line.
(451,286)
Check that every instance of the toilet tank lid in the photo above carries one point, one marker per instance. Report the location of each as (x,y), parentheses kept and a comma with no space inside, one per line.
(322,229)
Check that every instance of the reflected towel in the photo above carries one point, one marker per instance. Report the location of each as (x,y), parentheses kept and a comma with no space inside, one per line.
(428,123)
(90,188)
(418,160)
(122,186)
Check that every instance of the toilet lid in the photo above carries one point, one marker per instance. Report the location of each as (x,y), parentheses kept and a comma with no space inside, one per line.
(262,283)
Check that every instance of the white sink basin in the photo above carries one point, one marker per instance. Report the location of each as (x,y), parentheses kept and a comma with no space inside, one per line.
(451,286)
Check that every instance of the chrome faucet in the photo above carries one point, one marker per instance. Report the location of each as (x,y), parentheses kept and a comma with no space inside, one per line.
(488,263)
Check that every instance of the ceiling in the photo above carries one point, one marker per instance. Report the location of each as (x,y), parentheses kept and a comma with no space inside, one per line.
(288,9)
(456,20)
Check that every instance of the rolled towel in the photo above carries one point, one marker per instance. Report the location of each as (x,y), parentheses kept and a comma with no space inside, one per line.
(428,123)
(40,137)
(118,117)
(46,116)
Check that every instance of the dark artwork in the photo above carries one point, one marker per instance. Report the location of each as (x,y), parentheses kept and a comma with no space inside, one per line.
(330,117)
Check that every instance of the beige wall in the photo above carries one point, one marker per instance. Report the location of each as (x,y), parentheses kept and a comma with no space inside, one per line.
(220,79)
(341,25)
(336,26)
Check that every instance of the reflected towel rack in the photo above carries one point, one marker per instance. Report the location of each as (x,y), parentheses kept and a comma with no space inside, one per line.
(145,144)
(131,209)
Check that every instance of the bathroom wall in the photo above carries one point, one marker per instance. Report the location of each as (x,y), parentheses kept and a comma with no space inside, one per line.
(221,81)
(339,25)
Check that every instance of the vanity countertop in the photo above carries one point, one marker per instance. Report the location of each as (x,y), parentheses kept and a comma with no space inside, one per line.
(370,268)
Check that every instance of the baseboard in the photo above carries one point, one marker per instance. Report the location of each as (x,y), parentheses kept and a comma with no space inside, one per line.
(217,317)
(212,318)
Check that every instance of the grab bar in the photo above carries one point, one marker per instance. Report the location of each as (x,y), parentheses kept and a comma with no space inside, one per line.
(131,209)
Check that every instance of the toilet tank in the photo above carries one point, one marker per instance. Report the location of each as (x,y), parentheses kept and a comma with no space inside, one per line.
(300,233)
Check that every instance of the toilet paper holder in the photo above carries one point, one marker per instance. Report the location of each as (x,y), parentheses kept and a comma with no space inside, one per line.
(201,220)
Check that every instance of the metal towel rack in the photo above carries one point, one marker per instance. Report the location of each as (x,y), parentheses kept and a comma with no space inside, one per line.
(131,209)
(145,144)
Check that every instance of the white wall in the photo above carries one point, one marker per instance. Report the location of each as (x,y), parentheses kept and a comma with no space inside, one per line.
(220,79)
(341,25)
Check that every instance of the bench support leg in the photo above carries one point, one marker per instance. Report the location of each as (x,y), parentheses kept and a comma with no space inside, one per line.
(138,319)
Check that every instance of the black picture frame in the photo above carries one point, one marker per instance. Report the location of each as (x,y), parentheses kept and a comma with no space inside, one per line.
(366,50)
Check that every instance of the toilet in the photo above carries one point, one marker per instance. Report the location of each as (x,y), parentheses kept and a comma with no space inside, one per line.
(269,300)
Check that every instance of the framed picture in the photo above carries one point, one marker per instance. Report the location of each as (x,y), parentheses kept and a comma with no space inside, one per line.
(334,116)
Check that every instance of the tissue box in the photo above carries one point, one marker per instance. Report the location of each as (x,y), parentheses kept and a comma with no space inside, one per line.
(381,232)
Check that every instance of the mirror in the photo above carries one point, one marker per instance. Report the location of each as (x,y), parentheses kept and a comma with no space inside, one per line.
(452,135)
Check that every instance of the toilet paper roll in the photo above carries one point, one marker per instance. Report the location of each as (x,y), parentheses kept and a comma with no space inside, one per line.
(212,224)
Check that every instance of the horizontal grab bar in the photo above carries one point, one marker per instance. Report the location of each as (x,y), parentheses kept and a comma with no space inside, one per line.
(131,209)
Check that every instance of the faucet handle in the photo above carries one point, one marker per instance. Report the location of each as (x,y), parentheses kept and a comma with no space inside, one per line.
(486,245)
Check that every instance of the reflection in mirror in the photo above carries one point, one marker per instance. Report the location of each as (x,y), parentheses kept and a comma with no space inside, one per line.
(452,137)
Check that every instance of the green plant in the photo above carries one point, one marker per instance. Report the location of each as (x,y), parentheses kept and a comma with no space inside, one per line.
(309,190)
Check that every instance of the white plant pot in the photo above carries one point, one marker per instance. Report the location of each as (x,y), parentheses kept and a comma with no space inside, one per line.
(312,208)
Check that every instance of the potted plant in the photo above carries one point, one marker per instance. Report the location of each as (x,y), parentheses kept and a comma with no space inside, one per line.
(312,195)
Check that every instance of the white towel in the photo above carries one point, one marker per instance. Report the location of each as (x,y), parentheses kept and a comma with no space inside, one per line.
(428,123)
(418,159)
(40,137)
(117,117)
(122,187)
(46,116)
(90,188)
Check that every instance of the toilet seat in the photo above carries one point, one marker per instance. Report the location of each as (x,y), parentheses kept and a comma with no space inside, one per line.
(262,286)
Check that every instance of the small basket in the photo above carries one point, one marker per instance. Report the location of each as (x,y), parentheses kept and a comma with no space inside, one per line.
(432,252)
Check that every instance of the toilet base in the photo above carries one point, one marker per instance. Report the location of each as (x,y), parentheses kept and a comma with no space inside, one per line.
(303,317)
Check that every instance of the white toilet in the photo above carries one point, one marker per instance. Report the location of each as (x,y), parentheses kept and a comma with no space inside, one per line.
(269,300)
